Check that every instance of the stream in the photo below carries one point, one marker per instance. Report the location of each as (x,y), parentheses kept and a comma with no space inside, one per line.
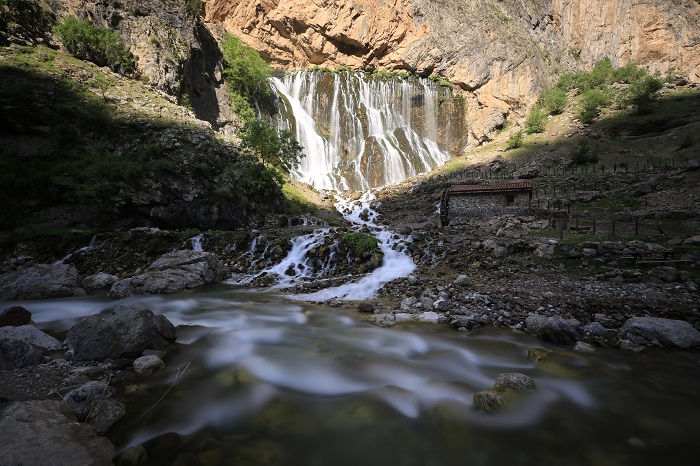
(260,380)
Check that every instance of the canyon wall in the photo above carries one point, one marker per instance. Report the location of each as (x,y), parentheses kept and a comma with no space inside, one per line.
(501,53)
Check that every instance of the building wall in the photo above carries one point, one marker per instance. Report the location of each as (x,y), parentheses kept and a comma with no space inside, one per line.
(487,204)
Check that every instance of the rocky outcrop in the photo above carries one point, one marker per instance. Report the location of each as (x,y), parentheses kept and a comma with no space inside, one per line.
(124,332)
(40,282)
(508,388)
(655,331)
(94,403)
(502,53)
(46,432)
(175,271)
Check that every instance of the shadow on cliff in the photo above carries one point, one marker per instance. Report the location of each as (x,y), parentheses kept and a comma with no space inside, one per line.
(70,158)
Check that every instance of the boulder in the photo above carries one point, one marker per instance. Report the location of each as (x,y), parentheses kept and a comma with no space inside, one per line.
(545,250)
(94,404)
(99,281)
(519,382)
(659,331)
(462,280)
(146,365)
(40,282)
(365,307)
(124,332)
(33,336)
(553,329)
(46,432)
(172,272)
(16,354)
(665,273)
(15,316)
(430,316)
(509,387)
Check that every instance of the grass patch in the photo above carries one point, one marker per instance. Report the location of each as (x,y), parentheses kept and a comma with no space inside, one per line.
(361,244)
(298,203)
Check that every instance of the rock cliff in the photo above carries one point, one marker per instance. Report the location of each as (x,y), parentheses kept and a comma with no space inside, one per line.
(501,53)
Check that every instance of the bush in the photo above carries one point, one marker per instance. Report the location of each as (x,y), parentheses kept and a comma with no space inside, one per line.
(96,44)
(515,141)
(591,102)
(246,75)
(584,154)
(640,93)
(279,149)
(361,244)
(194,7)
(553,100)
(536,121)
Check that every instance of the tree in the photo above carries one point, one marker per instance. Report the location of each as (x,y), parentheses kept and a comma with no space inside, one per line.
(279,149)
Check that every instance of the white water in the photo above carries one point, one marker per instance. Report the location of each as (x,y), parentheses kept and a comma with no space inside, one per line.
(197,243)
(84,248)
(364,137)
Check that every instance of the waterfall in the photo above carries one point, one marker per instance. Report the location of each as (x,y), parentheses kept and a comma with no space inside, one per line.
(359,131)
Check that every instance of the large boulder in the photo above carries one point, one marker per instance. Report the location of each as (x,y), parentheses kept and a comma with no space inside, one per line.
(172,272)
(46,432)
(94,404)
(98,281)
(658,331)
(124,332)
(33,336)
(16,354)
(15,316)
(553,329)
(40,282)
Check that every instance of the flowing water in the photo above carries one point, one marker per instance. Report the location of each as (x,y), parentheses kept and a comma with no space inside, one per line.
(360,131)
(257,380)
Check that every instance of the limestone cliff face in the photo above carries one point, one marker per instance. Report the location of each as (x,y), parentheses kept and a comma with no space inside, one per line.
(501,53)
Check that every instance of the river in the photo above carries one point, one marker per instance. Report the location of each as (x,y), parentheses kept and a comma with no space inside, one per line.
(258,379)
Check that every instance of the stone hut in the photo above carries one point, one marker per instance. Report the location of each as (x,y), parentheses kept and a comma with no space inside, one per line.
(485,200)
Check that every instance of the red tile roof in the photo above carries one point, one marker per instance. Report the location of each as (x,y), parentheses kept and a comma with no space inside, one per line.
(470,188)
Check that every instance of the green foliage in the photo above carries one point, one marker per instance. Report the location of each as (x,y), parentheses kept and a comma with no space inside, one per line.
(440,81)
(640,93)
(590,103)
(536,121)
(362,244)
(279,149)
(97,44)
(194,7)
(553,100)
(246,75)
(515,141)
(28,20)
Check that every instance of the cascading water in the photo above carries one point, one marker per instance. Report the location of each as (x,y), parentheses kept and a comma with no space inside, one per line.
(361,132)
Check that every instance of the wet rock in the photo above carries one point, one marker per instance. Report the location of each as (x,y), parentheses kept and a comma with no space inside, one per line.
(489,401)
(133,456)
(583,347)
(99,281)
(15,316)
(124,332)
(443,305)
(628,345)
(46,432)
(553,329)
(409,304)
(516,381)
(431,317)
(172,272)
(33,336)
(659,331)
(365,307)
(94,403)
(146,365)
(40,282)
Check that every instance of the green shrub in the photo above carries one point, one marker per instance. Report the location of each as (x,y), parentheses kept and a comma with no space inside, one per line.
(194,7)
(96,44)
(590,103)
(362,244)
(246,75)
(515,141)
(640,93)
(554,100)
(536,121)
(584,154)
(279,149)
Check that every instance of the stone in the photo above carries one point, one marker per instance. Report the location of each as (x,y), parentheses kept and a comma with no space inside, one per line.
(462,281)
(594,329)
(499,252)
(146,365)
(443,305)
(41,281)
(124,332)
(365,307)
(554,329)
(16,354)
(33,336)
(46,432)
(172,272)
(666,332)
(693,165)
(431,317)
(94,404)
(693,240)
(409,304)
(545,250)
(489,401)
(589,252)
(516,381)
(133,456)
(15,316)
(99,281)
(643,189)
(665,273)
(583,347)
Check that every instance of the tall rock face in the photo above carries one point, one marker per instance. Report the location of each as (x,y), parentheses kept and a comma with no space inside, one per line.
(502,53)
(175,51)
